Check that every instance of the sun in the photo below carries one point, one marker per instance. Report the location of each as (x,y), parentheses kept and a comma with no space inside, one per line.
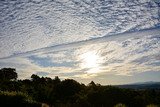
(89,60)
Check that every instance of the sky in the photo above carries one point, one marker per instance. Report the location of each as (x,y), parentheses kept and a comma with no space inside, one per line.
(107,41)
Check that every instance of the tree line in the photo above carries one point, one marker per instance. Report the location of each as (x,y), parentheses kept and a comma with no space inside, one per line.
(69,93)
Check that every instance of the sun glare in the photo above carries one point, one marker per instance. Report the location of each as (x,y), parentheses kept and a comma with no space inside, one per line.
(90,61)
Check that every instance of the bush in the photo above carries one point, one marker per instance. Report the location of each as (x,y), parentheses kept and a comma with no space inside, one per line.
(16,99)
(120,105)
(151,105)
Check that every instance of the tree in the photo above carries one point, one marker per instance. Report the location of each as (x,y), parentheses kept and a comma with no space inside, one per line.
(8,74)
(120,105)
(35,77)
(57,80)
(68,89)
(92,83)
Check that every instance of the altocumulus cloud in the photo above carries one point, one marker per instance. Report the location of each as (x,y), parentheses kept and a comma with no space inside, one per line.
(125,56)
(52,37)
(27,25)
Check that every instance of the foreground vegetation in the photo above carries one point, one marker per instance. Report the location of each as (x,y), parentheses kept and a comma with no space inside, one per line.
(69,93)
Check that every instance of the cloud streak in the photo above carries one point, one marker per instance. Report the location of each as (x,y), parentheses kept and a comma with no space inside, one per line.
(122,54)
(107,38)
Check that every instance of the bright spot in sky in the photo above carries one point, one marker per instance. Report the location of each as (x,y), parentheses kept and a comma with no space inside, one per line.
(90,60)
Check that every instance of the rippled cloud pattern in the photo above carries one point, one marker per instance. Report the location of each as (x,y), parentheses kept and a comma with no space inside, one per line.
(80,38)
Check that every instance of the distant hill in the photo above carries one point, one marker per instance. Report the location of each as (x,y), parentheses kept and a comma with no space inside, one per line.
(141,85)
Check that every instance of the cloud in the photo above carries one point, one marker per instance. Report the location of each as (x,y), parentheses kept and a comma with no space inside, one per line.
(107,38)
(49,38)
(35,24)
(125,55)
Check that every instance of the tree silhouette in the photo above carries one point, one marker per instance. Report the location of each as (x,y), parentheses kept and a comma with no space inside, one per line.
(8,74)
(70,93)
(56,80)
(35,77)
(92,83)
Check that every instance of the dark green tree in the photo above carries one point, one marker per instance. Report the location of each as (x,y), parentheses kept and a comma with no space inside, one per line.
(8,74)
(92,83)
(68,89)
(35,77)
(56,80)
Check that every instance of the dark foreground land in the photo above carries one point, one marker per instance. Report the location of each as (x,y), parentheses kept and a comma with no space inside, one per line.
(44,91)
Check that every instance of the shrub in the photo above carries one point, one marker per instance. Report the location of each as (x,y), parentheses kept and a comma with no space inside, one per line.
(120,105)
(16,99)
(151,105)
